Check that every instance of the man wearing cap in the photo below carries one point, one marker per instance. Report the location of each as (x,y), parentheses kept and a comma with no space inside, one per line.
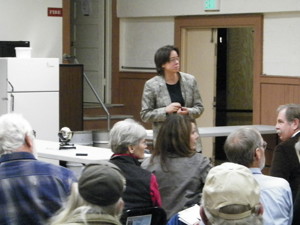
(101,186)
(246,146)
(231,196)
(31,191)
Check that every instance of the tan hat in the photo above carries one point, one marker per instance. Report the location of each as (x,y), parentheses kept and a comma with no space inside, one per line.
(229,184)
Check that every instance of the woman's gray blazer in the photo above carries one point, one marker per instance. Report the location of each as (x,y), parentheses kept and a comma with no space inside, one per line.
(156,97)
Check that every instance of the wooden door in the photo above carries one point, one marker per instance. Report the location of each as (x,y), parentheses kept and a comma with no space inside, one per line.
(199,59)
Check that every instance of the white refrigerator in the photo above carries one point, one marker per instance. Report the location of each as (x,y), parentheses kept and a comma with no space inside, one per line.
(30,86)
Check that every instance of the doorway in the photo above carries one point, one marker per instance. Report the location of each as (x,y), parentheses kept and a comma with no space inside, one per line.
(91,45)
(234,82)
(226,106)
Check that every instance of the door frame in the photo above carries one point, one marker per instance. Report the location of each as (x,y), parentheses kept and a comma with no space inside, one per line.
(232,21)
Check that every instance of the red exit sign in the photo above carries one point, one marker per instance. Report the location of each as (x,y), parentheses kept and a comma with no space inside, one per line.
(55,12)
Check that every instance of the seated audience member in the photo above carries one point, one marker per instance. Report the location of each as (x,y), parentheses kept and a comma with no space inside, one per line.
(97,199)
(246,146)
(174,220)
(285,163)
(31,191)
(127,141)
(180,170)
(231,197)
(296,218)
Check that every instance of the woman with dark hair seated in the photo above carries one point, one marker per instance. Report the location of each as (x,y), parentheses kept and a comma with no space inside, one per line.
(180,170)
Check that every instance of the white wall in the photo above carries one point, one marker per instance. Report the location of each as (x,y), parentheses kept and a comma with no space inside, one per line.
(281,47)
(149,8)
(140,40)
(281,53)
(28,20)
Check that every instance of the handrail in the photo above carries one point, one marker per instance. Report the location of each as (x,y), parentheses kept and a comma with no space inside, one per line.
(69,58)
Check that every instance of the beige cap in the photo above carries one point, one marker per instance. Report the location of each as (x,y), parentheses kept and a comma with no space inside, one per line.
(229,184)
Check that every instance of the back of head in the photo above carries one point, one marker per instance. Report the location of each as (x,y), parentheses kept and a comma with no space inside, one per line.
(124,133)
(99,191)
(241,144)
(13,129)
(174,136)
(101,184)
(231,194)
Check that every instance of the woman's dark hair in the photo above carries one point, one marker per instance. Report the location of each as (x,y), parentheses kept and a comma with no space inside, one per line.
(173,139)
(162,56)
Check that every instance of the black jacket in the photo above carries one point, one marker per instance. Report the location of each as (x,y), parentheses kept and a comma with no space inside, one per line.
(137,193)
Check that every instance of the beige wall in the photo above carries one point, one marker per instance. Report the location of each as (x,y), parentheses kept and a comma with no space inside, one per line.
(157,8)
(281,47)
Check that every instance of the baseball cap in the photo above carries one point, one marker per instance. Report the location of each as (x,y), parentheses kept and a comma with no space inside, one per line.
(101,184)
(230,184)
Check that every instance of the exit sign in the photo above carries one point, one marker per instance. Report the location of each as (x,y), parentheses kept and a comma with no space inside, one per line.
(211,5)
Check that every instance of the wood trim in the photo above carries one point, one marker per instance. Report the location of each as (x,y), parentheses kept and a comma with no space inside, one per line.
(136,75)
(66,27)
(71,96)
(231,21)
(280,80)
(275,91)
(127,86)
(115,95)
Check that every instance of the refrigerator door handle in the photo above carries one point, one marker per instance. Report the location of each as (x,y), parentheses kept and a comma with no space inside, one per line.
(12,97)
(12,87)
(12,102)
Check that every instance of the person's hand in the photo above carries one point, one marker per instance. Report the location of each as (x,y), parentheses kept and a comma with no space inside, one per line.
(173,107)
(183,111)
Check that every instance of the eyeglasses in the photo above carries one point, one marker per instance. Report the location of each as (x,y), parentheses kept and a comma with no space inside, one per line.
(264,145)
(174,59)
(34,133)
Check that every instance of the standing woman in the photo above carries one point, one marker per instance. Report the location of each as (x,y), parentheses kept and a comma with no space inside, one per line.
(179,169)
(170,91)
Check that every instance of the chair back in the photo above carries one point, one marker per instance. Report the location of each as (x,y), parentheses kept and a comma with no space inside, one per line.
(145,216)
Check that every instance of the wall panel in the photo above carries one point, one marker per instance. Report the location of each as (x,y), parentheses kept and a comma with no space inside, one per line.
(275,92)
(131,90)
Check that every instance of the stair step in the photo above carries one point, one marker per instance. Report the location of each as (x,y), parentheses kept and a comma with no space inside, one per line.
(87,105)
(100,122)
(94,116)
(104,117)
(92,110)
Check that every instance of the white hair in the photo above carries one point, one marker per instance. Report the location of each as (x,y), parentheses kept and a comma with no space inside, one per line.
(77,208)
(125,133)
(13,130)
(254,219)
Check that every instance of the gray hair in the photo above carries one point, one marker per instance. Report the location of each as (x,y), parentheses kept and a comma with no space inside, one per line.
(125,133)
(77,208)
(292,111)
(254,219)
(13,130)
(241,144)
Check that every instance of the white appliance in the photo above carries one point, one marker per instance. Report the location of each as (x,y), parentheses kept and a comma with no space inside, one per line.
(30,86)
